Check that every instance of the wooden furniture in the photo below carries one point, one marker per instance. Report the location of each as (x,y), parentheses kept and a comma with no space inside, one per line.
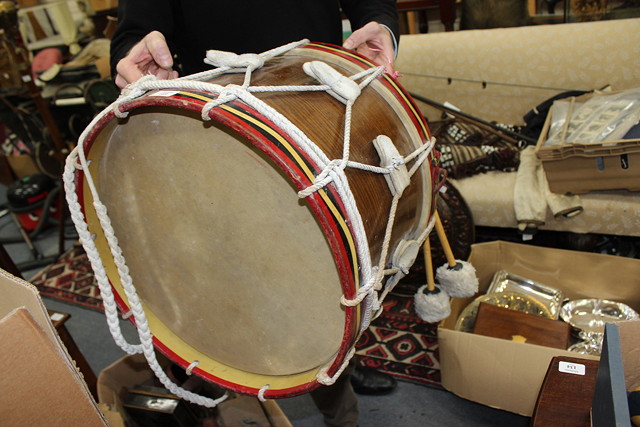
(565,397)
(414,10)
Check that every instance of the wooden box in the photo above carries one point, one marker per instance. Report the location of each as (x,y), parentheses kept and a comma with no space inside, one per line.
(500,322)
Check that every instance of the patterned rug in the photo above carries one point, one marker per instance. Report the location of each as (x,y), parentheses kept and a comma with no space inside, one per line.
(70,279)
(401,344)
(397,342)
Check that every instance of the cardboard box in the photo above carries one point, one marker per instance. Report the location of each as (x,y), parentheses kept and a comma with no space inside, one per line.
(40,382)
(124,374)
(588,166)
(505,374)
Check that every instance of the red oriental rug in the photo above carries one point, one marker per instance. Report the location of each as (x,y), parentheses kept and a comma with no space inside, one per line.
(70,279)
(398,342)
(401,344)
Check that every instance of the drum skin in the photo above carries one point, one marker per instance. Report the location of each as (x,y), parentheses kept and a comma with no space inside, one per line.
(233,269)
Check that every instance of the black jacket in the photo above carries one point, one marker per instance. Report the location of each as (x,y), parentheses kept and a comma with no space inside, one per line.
(242,26)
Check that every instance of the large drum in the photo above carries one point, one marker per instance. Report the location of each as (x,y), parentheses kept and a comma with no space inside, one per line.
(247,275)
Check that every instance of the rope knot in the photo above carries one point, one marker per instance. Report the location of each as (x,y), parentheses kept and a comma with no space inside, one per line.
(396,163)
(130,92)
(324,178)
(219,58)
(230,92)
(366,290)
(340,87)
(323,375)
(227,94)
(76,162)
(136,89)
(118,112)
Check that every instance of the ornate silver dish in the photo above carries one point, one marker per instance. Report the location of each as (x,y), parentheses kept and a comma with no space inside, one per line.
(587,347)
(590,315)
(552,298)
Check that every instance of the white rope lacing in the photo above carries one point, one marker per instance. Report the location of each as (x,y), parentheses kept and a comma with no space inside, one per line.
(262,391)
(142,326)
(87,240)
(376,283)
(269,54)
(323,376)
(332,171)
(191,367)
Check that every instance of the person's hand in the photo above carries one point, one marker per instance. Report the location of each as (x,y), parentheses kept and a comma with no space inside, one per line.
(150,55)
(374,42)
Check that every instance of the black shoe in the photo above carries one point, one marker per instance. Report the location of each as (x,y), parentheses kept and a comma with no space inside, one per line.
(370,381)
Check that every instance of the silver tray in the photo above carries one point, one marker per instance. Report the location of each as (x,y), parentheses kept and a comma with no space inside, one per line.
(552,298)
(590,315)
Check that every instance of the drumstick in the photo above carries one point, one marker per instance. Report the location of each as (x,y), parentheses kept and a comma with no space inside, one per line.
(428,264)
(431,303)
(458,278)
(444,241)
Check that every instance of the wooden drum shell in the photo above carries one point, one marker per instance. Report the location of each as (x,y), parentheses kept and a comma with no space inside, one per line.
(383,108)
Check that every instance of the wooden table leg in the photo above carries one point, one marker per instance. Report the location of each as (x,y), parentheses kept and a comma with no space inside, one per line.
(448,14)
(448,10)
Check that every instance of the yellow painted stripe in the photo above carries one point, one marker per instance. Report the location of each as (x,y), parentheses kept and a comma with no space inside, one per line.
(197,96)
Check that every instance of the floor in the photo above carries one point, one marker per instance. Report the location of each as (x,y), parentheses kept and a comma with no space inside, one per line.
(409,405)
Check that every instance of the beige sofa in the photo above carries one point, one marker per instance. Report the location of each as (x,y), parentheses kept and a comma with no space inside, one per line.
(537,62)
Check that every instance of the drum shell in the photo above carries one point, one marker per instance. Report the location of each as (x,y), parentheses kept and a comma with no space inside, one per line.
(320,117)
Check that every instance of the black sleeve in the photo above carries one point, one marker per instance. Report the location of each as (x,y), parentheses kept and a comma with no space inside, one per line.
(137,18)
(361,12)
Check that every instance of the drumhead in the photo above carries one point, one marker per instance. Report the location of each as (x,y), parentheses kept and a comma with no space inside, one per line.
(222,252)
